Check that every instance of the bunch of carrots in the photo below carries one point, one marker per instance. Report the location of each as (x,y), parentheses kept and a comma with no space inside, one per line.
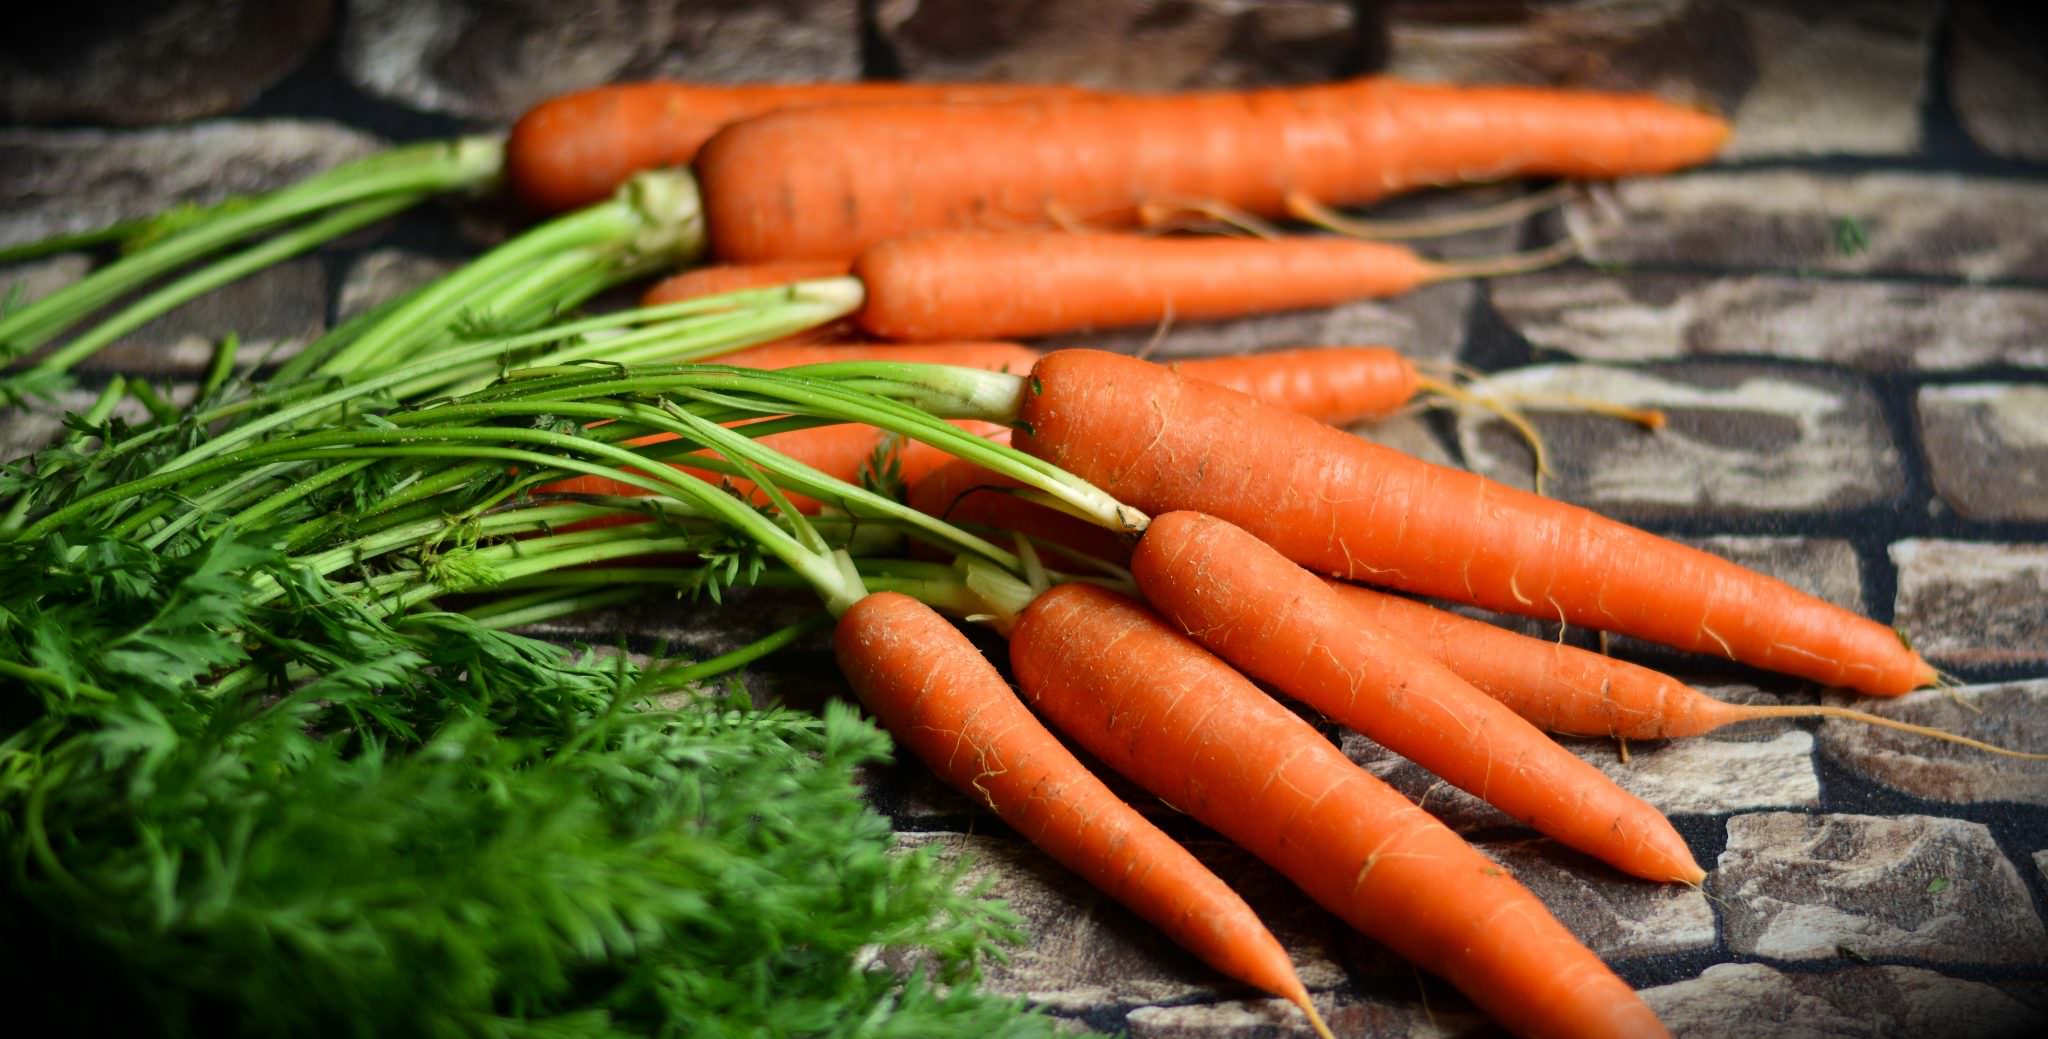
(1224,527)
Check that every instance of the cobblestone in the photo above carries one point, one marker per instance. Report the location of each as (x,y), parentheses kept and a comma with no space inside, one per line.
(1937,224)
(1819,887)
(2012,715)
(1740,439)
(1987,448)
(1973,603)
(1998,78)
(1129,44)
(493,62)
(1875,325)
(1878,1002)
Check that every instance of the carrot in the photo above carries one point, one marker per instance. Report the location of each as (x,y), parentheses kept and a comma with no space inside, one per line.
(966,494)
(1253,607)
(935,693)
(1576,692)
(998,284)
(1343,506)
(576,149)
(828,182)
(1181,723)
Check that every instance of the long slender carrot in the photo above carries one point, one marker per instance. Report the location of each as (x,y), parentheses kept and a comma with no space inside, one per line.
(1277,623)
(576,149)
(1181,723)
(829,182)
(935,693)
(998,284)
(1564,689)
(1343,506)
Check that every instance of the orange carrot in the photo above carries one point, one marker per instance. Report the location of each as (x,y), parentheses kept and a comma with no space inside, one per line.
(829,182)
(1335,384)
(1155,706)
(1565,689)
(576,149)
(1343,506)
(935,693)
(966,494)
(997,284)
(1277,623)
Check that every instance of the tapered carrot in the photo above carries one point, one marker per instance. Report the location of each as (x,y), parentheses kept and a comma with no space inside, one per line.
(829,182)
(997,284)
(935,693)
(1181,723)
(1255,608)
(1565,689)
(576,149)
(1343,506)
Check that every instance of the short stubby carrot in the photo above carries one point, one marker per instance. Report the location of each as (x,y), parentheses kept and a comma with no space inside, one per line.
(1183,724)
(1281,625)
(999,284)
(576,149)
(1345,507)
(937,695)
(829,182)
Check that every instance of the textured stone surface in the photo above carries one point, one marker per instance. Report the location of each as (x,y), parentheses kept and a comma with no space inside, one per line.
(1132,44)
(1987,448)
(1795,79)
(1973,603)
(1818,887)
(274,311)
(1917,223)
(58,181)
(1740,439)
(1998,76)
(1868,1002)
(1266,1019)
(108,62)
(493,62)
(1426,325)
(1879,325)
(382,275)
(1680,777)
(30,281)
(2013,715)
(1617,917)
(1087,950)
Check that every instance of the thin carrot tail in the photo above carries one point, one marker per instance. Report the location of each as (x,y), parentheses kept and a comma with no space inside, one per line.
(1867,718)
(1310,211)
(1560,251)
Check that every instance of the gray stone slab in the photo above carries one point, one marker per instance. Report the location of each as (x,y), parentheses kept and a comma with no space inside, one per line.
(1875,325)
(1940,224)
(1427,325)
(1128,44)
(1678,777)
(1265,1019)
(1086,951)
(384,274)
(1804,79)
(1987,448)
(60,181)
(492,62)
(24,283)
(1998,78)
(273,311)
(1867,1002)
(2013,715)
(1821,887)
(159,63)
(1741,439)
(1617,917)
(1973,603)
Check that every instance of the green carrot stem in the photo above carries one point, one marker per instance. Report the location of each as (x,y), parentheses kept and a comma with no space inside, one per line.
(410,171)
(213,276)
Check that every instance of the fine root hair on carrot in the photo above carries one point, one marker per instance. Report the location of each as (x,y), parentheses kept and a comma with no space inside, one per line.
(1160,215)
(1526,262)
(1159,333)
(1464,395)
(1309,211)
(1850,714)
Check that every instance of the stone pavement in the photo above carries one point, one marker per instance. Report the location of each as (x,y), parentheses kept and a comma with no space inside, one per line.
(1846,320)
